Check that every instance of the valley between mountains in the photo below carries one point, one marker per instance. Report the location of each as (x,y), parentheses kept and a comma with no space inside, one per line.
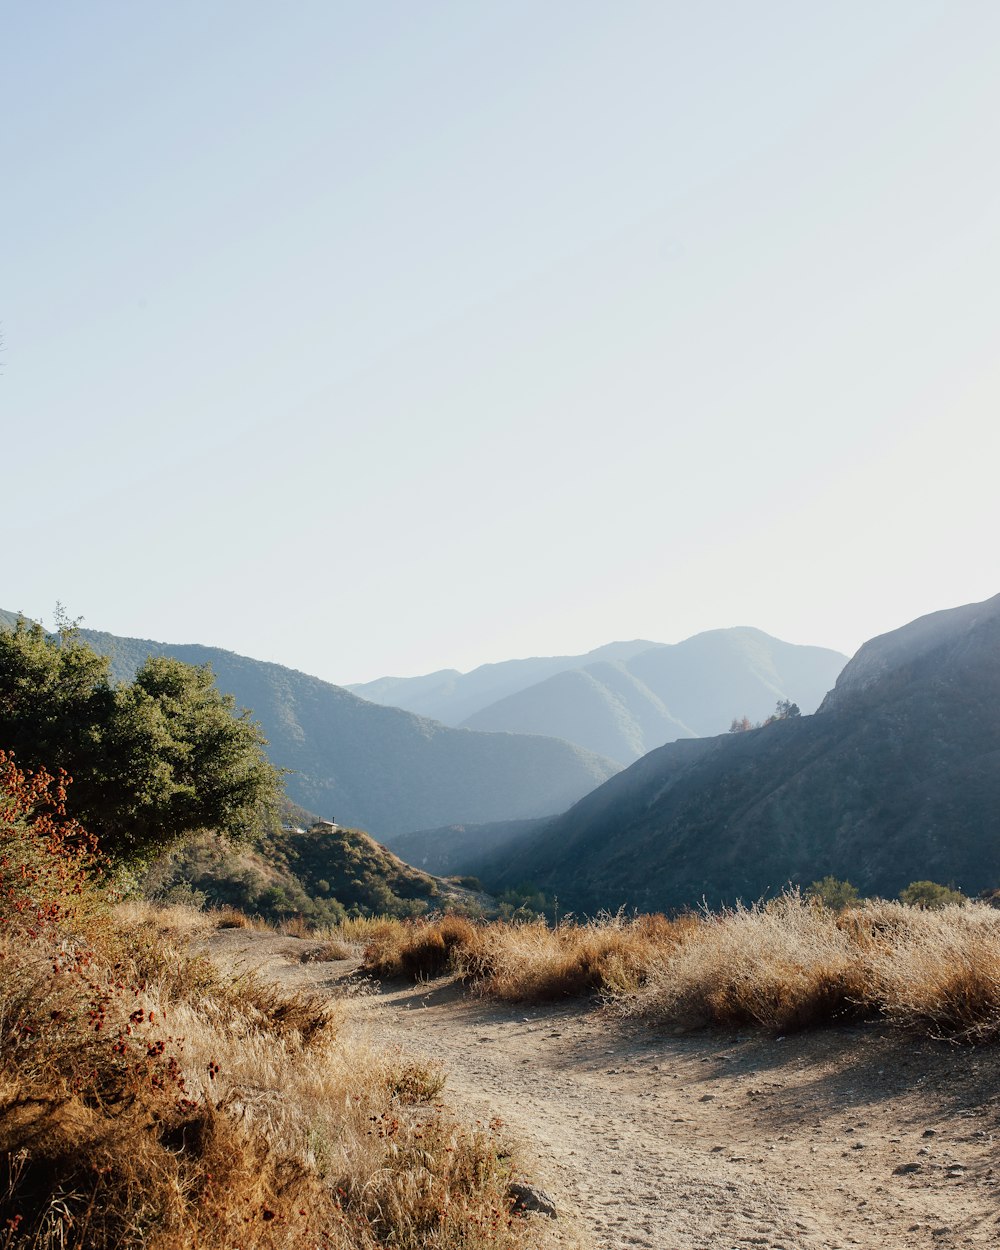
(707,1141)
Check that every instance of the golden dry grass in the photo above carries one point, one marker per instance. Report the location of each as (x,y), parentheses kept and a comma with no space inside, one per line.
(786,964)
(147,1101)
(526,961)
(939,971)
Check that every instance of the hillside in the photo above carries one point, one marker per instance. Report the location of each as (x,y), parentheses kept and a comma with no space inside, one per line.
(319,873)
(895,778)
(624,699)
(380,768)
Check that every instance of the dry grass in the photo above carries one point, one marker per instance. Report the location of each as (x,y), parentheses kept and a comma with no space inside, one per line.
(783,965)
(326,952)
(417,948)
(789,964)
(939,971)
(529,961)
(147,1101)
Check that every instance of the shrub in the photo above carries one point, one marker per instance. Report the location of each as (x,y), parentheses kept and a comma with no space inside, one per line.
(417,948)
(49,864)
(528,960)
(833,893)
(784,964)
(938,971)
(930,895)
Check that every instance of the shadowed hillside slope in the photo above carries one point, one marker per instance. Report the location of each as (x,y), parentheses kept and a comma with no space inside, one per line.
(455,847)
(896,778)
(380,768)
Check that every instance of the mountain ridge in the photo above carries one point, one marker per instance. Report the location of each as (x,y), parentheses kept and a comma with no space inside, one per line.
(379,768)
(896,778)
(625,698)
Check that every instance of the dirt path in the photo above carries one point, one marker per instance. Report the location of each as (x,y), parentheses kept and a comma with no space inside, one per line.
(845,1137)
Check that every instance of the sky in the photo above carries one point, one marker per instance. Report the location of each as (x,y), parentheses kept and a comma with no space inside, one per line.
(382,338)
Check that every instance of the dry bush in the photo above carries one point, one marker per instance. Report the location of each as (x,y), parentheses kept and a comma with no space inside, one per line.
(263,1126)
(940,972)
(613,954)
(786,964)
(354,929)
(415,1081)
(227,917)
(527,961)
(417,948)
(296,927)
(328,952)
(173,922)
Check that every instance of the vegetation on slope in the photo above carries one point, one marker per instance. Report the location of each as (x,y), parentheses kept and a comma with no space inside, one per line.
(320,874)
(459,848)
(895,778)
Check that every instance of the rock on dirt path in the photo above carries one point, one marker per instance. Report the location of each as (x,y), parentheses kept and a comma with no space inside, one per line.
(842,1138)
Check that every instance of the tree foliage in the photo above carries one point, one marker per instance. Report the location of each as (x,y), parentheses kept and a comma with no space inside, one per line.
(151,760)
(930,895)
(833,893)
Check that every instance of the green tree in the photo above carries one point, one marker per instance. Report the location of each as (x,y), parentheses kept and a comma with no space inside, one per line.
(152,760)
(833,893)
(930,895)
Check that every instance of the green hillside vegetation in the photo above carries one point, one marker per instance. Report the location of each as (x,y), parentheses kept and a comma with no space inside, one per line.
(895,779)
(321,875)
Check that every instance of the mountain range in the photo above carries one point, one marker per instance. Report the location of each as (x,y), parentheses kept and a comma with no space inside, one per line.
(623,699)
(380,768)
(895,778)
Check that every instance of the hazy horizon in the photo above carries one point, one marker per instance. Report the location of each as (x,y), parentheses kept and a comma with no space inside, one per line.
(378,340)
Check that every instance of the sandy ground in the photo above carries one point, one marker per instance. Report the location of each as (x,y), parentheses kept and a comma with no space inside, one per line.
(713,1141)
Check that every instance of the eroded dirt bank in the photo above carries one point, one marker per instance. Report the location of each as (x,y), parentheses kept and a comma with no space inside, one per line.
(844,1137)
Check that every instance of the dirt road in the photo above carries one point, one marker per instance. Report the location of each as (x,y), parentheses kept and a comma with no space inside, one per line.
(839,1138)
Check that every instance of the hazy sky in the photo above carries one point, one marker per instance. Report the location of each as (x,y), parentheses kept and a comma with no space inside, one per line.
(381,337)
